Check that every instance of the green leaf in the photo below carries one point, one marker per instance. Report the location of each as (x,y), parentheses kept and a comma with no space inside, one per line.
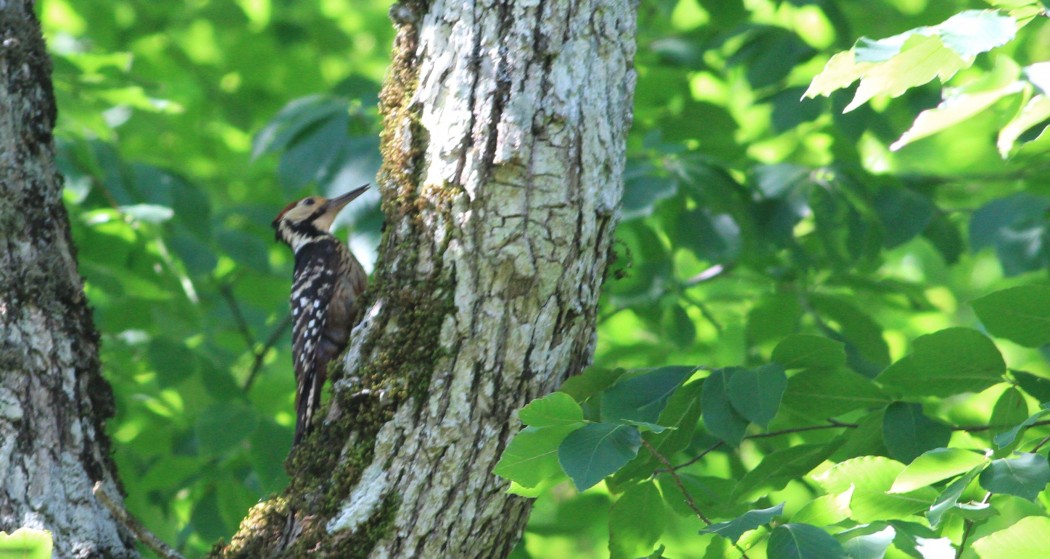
(173,361)
(643,397)
(1028,537)
(921,59)
(802,541)
(972,32)
(803,351)
(956,108)
(1025,476)
(871,477)
(1035,112)
(870,546)
(222,427)
(781,466)
(825,510)
(904,214)
(733,529)
(946,363)
(908,432)
(636,521)
(207,518)
(26,543)
(596,450)
(532,455)
(680,415)
(818,394)
(772,318)
(1015,225)
(720,418)
(1019,314)
(1006,438)
(1037,387)
(756,393)
(591,382)
(866,350)
(949,498)
(552,410)
(935,465)
(1010,409)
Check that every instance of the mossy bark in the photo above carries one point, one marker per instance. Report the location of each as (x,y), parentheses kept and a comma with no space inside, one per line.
(53,400)
(503,147)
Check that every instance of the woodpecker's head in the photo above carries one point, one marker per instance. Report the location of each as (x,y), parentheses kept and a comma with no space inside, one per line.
(310,218)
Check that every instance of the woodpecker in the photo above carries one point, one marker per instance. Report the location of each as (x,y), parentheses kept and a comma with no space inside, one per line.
(326,286)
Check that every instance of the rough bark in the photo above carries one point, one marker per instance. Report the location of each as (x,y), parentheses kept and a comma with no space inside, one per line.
(52,398)
(503,144)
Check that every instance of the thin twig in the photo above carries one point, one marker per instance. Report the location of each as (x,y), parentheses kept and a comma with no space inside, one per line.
(968,527)
(832,424)
(677,481)
(979,428)
(261,354)
(1041,443)
(149,539)
(226,290)
(681,487)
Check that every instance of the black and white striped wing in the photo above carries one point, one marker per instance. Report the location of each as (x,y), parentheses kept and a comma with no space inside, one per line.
(312,288)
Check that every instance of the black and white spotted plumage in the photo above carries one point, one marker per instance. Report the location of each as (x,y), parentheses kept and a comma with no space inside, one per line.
(326,285)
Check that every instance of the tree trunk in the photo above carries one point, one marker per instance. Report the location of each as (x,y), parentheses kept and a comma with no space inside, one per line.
(53,400)
(503,145)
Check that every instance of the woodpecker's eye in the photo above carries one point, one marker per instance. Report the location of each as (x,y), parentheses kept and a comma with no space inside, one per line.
(308,202)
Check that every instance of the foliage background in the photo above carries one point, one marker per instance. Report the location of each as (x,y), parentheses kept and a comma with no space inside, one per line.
(749,216)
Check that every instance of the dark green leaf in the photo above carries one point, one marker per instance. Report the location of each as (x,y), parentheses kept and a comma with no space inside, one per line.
(904,214)
(720,418)
(773,318)
(1015,225)
(206,518)
(1019,314)
(643,397)
(908,432)
(756,393)
(1010,409)
(713,238)
(591,382)
(1025,476)
(173,361)
(781,466)
(590,453)
(802,541)
(733,529)
(1037,387)
(678,327)
(818,394)
(1006,438)
(946,363)
(803,351)
(222,427)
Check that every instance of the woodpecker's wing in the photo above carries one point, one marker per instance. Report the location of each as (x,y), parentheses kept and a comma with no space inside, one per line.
(312,287)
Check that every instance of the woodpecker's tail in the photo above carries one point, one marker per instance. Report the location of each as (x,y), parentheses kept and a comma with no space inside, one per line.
(308,400)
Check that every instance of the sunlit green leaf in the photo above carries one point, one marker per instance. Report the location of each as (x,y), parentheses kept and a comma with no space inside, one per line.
(532,455)
(1028,537)
(935,465)
(552,410)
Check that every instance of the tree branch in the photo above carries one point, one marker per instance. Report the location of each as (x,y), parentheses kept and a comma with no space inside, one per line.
(149,539)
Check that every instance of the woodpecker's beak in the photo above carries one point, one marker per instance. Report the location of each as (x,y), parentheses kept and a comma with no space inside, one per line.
(335,204)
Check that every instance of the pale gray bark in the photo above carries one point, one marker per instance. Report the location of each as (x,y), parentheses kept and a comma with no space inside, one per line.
(504,137)
(52,397)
